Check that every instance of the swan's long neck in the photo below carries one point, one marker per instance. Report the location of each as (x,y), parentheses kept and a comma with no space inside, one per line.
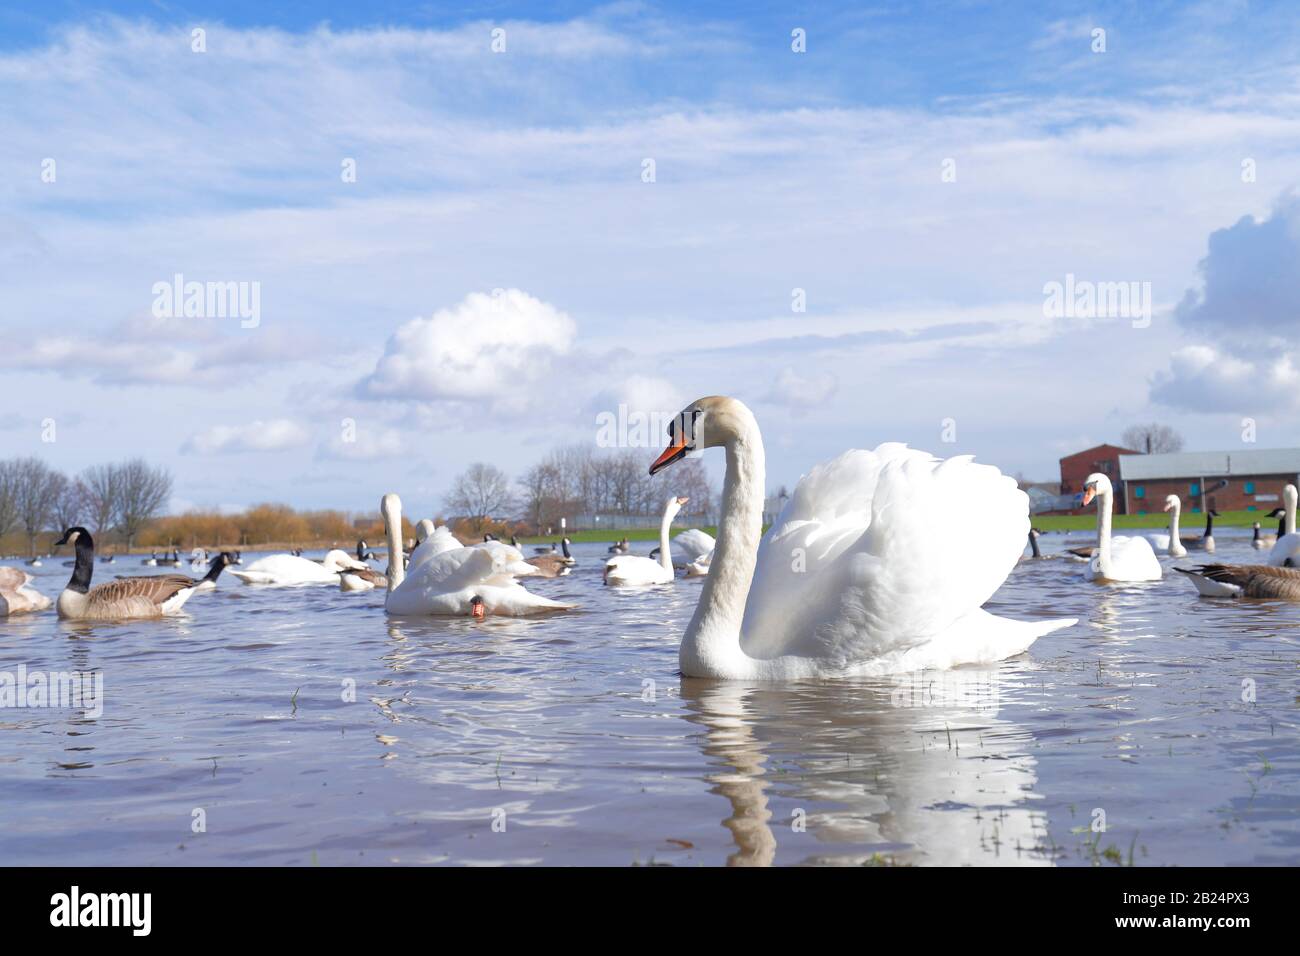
(665,560)
(1173,525)
(393,532)
(711,645)
(1289,516)
(1103,532)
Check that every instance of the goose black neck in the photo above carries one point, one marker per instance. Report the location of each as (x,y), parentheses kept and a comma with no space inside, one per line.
(1209,523)
(564,543)
(1256,530)
(218,563)
(1033,544)
(85,566)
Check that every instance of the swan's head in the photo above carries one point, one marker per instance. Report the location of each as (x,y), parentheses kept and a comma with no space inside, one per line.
(705,423)
(1289,496)
(1172,503)
(337,560)
(675,505)
(1097,486)
(423,530)
(390,506)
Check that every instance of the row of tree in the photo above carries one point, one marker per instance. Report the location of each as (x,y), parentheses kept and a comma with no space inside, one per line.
(121,498)
(122,504)
(579,483)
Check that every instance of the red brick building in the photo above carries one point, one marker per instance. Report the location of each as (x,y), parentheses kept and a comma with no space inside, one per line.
(1242,480)
(1076,468)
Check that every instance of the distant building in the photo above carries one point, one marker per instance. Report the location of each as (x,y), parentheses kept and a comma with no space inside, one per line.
(1243,480)
(1076,468)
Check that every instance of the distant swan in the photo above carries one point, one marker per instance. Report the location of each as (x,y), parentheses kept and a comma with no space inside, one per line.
(878,564)
(1119,558)
(1288,542)
(452,580)
(633,570)
(290,569)
(15,595)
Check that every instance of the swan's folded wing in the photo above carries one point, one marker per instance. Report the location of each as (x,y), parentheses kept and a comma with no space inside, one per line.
(692,543)
(11,579)
(879,551)
(453,571)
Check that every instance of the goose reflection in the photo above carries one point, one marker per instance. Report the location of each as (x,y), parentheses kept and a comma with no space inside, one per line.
(920,769)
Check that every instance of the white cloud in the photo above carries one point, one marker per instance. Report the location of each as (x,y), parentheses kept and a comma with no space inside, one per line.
(276,434)
(366,444)
(489,350)
(802,392)
(1205,379)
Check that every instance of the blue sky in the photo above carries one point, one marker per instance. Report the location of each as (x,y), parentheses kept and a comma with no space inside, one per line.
(920,173)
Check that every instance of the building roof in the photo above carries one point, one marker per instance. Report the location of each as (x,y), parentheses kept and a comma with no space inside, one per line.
(1204,464)
(1101,451)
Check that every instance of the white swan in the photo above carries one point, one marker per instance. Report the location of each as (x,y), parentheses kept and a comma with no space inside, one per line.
(1171,543)
(699,568)
(290,569)
(15,595)
(879,562)
(1119,558)
(448,581)
(691,545)
(633,570)
(1288,543)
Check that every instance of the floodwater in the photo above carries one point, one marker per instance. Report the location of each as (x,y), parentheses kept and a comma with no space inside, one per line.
(302,726)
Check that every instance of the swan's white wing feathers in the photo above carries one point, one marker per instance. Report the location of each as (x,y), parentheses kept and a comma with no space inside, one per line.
(692,543)
(881,551)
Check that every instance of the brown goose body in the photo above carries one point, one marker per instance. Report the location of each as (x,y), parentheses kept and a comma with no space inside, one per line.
(550,565)
(361,579)
(1246,580)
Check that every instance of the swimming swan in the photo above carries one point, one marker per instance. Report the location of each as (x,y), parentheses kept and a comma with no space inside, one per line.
(448,581)
(1119,558)
(879,563)
(634,570)
(15,595)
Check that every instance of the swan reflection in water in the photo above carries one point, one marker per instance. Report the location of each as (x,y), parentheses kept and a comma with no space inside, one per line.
(921,768)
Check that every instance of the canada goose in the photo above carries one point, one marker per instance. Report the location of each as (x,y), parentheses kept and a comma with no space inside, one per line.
(619,547)
(364,553)
(554,565)
(543,549)
(238,558)
(1266,540)
(1245,580)
(1033,544)
(33,562)
(15,595)
(107,558)
(173,562)
(124,598)
(151,561)
(361,579)
(209,580)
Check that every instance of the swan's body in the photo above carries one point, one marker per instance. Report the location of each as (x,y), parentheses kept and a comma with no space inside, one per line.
(1176,545)
(290,569)
(1245,580)
(699,568)
(1287,547)
(124,598)
(447,579)
(879,563)
(633,570)
(691,545)
(1116,558)
(15,595)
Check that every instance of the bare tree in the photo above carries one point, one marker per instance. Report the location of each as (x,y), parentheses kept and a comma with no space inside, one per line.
(102,493)
(1152,438)
(143,490)
(8,496)
(38,488)
(70,503)
(479,492)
